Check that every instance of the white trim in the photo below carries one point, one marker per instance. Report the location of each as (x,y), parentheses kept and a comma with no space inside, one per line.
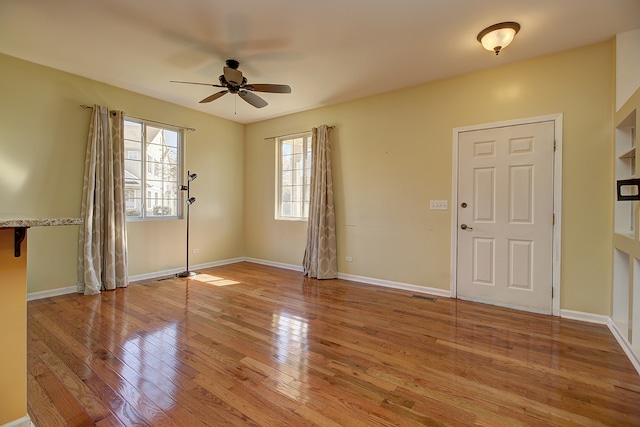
(20,422)
(157,274)
(362,279)
(624,343)
(584,317)
(146,276)
(557,199)
(51,293)
(628,349)
(557,211)
(172,271)
(274,264)
(396,285)
(504,305)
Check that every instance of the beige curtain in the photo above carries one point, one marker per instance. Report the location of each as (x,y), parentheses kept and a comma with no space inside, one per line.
(320,260)
(102,250)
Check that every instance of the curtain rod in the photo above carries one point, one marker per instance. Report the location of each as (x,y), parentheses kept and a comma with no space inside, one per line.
(291,134)
(147,120)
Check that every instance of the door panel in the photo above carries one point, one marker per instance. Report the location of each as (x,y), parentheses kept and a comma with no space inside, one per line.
(505,215)
(484,197)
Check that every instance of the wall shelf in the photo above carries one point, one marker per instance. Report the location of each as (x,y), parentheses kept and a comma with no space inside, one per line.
(625,310)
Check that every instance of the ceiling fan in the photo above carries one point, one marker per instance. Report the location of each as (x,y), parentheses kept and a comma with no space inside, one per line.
(234,82)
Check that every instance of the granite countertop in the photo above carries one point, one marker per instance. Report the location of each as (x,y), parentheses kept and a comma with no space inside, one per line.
(39,222)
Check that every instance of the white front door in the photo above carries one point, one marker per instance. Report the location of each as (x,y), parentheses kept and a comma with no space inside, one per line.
(505,216)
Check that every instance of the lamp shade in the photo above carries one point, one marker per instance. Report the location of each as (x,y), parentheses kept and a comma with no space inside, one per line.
(498,36)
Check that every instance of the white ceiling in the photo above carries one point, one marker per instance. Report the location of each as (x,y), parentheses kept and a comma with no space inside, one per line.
(328,51)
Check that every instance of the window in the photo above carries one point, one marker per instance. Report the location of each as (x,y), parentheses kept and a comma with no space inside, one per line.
(151,185)
(294,174)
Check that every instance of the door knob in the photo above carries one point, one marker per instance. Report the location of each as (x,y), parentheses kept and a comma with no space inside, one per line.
(465,227)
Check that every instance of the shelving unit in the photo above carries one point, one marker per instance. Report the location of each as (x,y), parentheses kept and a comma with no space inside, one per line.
(625,168)
(625,311)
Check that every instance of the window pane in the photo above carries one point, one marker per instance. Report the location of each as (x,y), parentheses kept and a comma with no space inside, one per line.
(132,131)
(286,178)
(297,145)
(294,163)
(286,194)
(133,207)
(169,190)
(297,193)
(171,138)
(152,170)
(153,134)
(170,173)
(286,209)
(298,175)
(286,163)
(171,155)
(163,207)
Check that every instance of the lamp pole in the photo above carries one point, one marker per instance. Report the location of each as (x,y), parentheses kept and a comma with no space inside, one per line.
(190,201)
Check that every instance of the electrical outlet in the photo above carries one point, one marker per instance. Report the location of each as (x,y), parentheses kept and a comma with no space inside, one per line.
(348,258)
(196,251)
(438,205)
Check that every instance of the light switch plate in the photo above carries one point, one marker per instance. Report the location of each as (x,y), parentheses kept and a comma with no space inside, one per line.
(438,205)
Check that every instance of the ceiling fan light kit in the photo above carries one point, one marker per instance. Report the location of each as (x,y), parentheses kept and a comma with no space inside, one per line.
(235,83)
(498,36)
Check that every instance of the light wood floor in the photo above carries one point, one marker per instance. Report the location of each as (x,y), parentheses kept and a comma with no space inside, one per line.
(246,344)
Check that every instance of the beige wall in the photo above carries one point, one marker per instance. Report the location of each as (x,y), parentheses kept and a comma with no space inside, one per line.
(43,132)
(392,153)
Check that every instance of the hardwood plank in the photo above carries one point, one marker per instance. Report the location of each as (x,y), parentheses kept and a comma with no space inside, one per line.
(42,410)
(248,344)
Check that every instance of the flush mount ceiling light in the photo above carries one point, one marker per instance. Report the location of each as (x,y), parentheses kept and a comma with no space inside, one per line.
(498,36)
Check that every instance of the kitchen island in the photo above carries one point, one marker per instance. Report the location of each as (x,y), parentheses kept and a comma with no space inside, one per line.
(13,316)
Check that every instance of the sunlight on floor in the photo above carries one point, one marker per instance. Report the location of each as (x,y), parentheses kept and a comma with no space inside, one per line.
(214,280)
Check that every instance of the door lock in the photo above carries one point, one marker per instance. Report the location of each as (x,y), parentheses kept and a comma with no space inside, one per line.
(466,227)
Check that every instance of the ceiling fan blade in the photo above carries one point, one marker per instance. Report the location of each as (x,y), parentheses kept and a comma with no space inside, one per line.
(232,75)
(214,96)
(196,83)
(252,99)
(264,87)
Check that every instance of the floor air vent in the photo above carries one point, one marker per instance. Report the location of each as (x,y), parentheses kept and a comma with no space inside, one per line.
(430,299)
(164,278)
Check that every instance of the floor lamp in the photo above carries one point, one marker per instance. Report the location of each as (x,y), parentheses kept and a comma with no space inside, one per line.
(190,201)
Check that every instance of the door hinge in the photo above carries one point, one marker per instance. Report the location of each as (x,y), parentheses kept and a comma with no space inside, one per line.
(552,293)
(554,146)
(553,219)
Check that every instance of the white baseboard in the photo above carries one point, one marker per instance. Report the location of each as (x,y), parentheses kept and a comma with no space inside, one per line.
(585,317)
(173,271)
(274,264)
(20,422)
(628,349)
(74,289)
(363,279)
(51,293)
(396,285)
(157,274)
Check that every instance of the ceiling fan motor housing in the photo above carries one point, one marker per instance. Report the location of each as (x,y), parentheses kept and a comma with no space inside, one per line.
(234,82)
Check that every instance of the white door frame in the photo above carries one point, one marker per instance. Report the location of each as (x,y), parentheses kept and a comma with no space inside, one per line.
(557,199)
